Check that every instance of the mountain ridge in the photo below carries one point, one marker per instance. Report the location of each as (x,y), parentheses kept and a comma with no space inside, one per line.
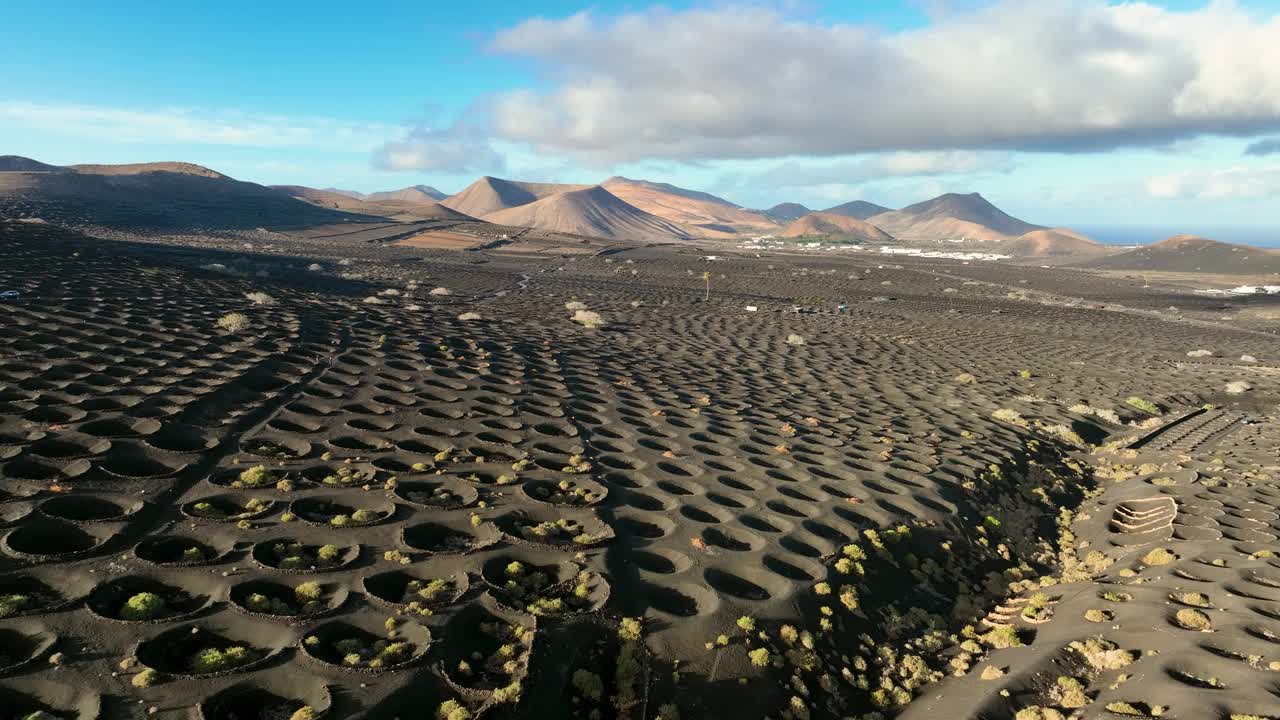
(592,211)
(832,224)
(952,216)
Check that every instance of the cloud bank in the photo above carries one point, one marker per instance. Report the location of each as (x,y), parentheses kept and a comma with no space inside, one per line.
(1241,182)
(184,125)
(455,149)
(793,173)
(1051,75)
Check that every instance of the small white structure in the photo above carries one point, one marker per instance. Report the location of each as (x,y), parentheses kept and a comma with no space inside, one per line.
(752,308)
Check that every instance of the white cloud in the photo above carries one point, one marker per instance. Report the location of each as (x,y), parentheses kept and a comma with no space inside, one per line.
(1240,182)
(455,149)
(186,126)
(805,173)
(1063,75)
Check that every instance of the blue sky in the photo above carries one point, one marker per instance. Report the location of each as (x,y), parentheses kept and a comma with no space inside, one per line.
(1074,112)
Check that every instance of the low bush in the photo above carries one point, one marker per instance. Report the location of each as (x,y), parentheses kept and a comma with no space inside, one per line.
(13,603)
(233,322)
(214,660)
(143,606)
(1142,404)
(589,319)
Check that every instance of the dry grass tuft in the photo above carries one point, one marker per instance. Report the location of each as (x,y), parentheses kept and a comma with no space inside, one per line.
(588,319)
(233,322)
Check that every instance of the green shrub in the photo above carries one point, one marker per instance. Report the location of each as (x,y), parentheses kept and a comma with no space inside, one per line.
(143,606)
(12,604)
(1142,404)
(630,629)
(452,710)
(256,476)
(260,603)
(380,653)
(213,660)
(145,679)
(588,684)
(308,592)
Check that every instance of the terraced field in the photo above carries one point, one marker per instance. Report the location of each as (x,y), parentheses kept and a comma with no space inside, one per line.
(405,482)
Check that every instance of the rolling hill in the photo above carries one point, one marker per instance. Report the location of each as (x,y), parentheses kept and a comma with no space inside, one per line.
(859,209)
(952,217)
(396,209)
(1055,242)
(157,196)
(490,195)
(703,213)
(416,194)
(1191,253)
(340,191)
(832,225)
(17,163)
(592,211)
(786,212)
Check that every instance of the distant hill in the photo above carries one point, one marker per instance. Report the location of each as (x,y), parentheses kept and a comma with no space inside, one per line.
(173,168)
(832,225)
(339,191)
(396,209)
(705,214)
(952,217)
(667,188)
(17,163)
(158,196)
(592,211)
(859,209)
(490,195)
(1052,243)
(786,212)
(416,193)
(1191,253)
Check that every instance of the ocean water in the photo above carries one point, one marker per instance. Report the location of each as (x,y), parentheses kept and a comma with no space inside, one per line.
(1133,235)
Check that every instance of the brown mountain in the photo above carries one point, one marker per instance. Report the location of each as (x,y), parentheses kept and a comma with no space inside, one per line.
(159,196)
(952,217)
(1052,243)
(490,195)
(416,194)
(703,213)
(592,211)
(832,225)
(171,168)
(859,209)
(340,191)
(394,209)
(1191,253)
(786,212)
